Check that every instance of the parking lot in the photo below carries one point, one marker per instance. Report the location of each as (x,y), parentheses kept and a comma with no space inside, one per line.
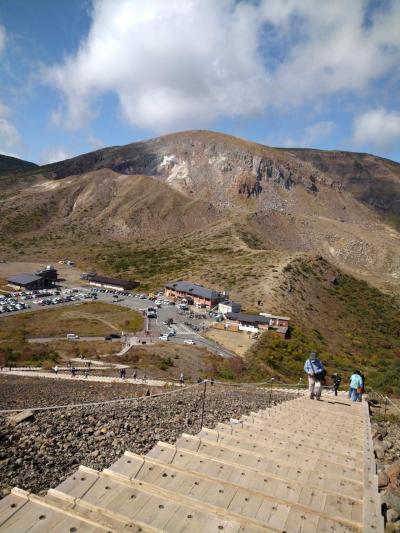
(164,321)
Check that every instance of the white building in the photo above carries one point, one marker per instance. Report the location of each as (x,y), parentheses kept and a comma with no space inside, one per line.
(228,306)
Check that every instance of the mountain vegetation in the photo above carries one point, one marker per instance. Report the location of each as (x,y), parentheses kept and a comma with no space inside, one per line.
(351,324)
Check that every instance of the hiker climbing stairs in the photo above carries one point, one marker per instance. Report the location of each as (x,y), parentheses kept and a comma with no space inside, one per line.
(300,466)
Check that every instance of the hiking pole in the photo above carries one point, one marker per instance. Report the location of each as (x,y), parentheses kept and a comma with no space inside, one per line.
(203,403)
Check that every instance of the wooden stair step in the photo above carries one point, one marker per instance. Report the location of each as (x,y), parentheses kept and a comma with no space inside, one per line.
(327,446)
(299,420)
(254,511)
(271,446)
(282,469)
(142,502)
(276,466)
(22,511)
(300,428)
(333,419)
(224,481)
(324,408)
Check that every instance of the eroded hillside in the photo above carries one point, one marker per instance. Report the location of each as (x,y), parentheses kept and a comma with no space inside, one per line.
(182,191)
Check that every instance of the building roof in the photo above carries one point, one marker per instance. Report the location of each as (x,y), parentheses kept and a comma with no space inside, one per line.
(113,281)
(193,289)
(268,315)
(244,317)
(24,279)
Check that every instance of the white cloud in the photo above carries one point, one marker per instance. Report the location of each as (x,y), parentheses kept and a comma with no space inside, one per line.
(3,37)
(185,63)
(54,154)
(9,135)
(312,135)
(377,127)
(95,142)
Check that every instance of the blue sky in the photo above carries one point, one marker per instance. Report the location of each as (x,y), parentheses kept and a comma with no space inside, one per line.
(76,75)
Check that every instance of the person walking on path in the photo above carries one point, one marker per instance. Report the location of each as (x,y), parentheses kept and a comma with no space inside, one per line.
(336,382)
(316,374)
(362,386)
(181,379)
(356,384)
(56,370)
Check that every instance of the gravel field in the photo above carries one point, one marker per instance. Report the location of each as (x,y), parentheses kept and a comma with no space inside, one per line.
(41,452)
(18,392)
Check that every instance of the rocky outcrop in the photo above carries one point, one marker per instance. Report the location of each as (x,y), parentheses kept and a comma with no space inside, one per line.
(372,180)
(206,156)
(386,439)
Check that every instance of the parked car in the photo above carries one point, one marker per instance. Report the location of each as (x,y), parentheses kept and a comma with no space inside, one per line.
(188,341)
(164,337)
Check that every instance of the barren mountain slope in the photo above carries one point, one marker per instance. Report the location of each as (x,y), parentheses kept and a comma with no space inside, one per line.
(103,204)
(199,178)
(373,180)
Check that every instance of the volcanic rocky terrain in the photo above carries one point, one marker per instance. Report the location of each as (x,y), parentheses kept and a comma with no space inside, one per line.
(199,185)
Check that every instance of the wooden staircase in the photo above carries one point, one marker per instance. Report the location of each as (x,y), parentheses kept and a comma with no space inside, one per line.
(301,466)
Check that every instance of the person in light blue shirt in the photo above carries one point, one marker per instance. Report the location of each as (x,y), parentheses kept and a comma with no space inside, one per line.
(356,384)
(316,372)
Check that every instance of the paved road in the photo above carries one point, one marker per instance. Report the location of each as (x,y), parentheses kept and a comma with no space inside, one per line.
(63,338)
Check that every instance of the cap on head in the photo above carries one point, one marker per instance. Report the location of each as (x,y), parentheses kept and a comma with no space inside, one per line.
(313,355)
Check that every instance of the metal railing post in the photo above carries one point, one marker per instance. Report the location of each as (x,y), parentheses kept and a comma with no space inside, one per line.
(270,393)
(386,403)
(203,404)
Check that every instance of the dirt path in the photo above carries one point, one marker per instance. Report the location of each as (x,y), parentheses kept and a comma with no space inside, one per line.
(77,314)
(90,378)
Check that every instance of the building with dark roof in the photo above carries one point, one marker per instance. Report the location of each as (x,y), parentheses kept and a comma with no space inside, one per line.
(27,281)
(246,319)
(112,283)
(197,293)
(50,274)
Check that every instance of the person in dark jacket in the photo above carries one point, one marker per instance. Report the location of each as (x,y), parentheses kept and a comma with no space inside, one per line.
(336,382)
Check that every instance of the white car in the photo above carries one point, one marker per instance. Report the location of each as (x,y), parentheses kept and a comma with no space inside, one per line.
(164,337)
(188,341)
